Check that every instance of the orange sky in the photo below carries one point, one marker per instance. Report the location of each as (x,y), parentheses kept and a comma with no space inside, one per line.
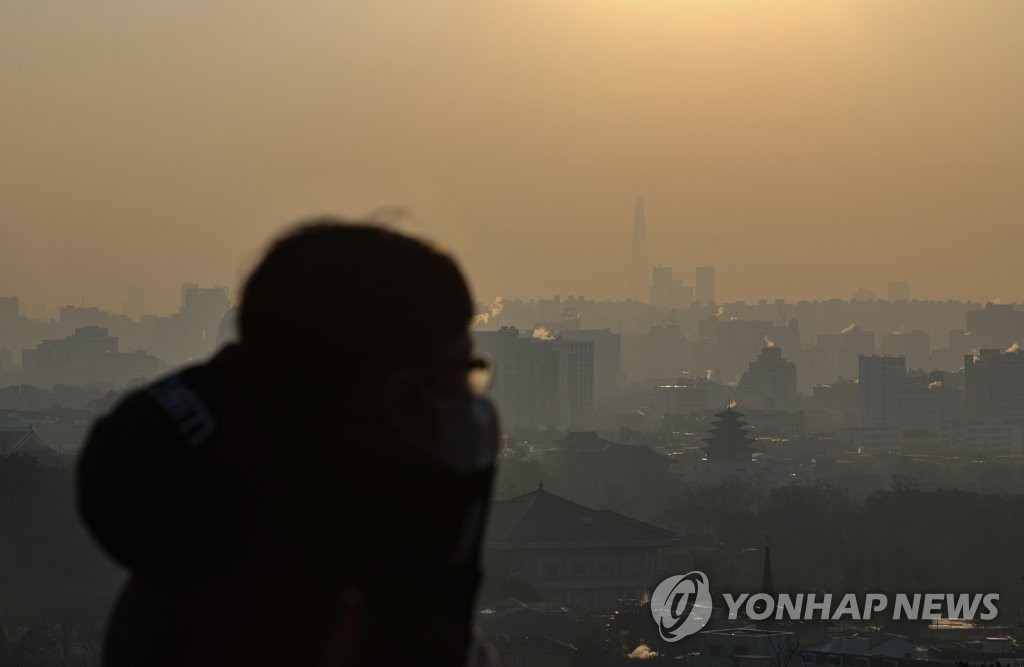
(805,148)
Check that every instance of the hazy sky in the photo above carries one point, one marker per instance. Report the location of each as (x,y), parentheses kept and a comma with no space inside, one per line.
(805,148)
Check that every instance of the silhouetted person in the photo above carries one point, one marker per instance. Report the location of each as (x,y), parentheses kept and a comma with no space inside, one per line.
(314,494)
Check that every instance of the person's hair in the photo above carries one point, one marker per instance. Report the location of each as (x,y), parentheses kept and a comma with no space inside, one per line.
(335,302)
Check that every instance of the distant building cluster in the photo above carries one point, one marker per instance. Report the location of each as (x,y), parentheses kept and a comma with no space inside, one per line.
(88,346)
(877,392)
(87,356)
(888,374)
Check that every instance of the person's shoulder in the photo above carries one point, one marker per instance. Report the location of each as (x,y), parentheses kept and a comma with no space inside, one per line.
(179,404)
(146,464)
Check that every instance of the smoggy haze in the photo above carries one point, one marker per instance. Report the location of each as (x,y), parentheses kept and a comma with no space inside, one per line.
(803,148)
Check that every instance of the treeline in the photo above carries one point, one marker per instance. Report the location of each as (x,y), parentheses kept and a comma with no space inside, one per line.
(901,539)
(56,587)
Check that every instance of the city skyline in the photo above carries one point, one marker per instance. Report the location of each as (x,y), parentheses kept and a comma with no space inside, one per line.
(135,303)
(637,259)
(852,143)
(314,314)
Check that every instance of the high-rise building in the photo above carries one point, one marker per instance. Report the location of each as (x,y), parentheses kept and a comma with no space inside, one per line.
(863,294)
(997,325)
(575,382)
(836,354)
(705,284)
(682,294)
(899,291)
(89,355)
(661,287)
(686,396)
(769,383)
(526,379)
(880,379)
(607,359)
(640,264)
(8,310)
(735,342)
(204,304)
(192,332)
(541,382)
(994,385)
(927,401)
(914,345)
(134,302)
(669,293)
(960,345)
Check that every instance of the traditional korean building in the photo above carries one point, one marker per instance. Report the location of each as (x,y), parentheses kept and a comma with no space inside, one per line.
(24,440)
(729,438)
(569,553)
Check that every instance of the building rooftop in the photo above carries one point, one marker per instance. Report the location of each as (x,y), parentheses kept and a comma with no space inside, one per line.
(543,519)
(22,440)
(746,632)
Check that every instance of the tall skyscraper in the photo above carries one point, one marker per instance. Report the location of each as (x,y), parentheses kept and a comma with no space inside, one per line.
(769,383)
(607,358)
(667,292)
(994,385)
(705,283)
(661,287)
(914,345)
(544,382)
(997,325)
(880,379)
(640,263)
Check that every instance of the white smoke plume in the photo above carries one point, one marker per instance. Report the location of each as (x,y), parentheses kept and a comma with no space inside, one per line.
(768,342)
(484,318)
(642,652)
(849,329)
(542,333)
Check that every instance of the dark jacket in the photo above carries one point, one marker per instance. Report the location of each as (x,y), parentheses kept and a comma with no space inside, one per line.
(257,534)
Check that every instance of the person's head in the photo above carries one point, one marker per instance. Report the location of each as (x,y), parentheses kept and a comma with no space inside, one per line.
(346,313)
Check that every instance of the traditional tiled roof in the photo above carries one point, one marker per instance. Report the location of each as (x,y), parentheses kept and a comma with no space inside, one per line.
(862,643)
(582,440)
(22,440)
(542,519)
(520,645)
(632,456)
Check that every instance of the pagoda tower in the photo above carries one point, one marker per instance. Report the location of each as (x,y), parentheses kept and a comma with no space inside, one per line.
(729,438)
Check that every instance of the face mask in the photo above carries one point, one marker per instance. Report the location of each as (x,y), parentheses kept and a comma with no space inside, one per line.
(469,444)
(469,434)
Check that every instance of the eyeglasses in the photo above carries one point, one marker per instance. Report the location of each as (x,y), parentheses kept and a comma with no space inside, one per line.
(479,369)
